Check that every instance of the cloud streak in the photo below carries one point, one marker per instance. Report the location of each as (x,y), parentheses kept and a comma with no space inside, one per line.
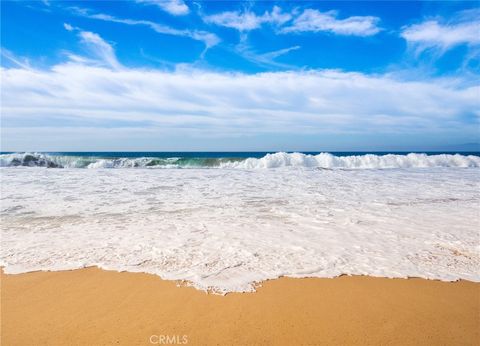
(12,58)
(174,7)
(441,35)
(265,59)
(308,102)
(100,49)
(209,39)
(316,21)
(247,20)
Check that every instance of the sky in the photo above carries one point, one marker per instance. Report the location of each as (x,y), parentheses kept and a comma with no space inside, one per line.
(174,75)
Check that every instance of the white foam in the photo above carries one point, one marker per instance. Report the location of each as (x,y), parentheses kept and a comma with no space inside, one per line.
(370,161)
(227,229)
(276,160)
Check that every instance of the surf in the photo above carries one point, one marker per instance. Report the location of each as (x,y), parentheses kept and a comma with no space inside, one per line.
(268,161)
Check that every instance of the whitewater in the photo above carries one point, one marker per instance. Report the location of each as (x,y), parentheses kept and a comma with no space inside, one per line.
(227,224)
(270,160)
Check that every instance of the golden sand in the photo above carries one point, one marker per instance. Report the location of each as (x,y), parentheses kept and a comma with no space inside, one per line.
(96,307)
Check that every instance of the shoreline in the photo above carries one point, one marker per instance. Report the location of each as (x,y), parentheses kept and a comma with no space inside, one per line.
(256,285)
(98,307)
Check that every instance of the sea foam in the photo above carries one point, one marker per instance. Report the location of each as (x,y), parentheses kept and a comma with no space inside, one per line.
(228,229)
(275,160)
(369,161)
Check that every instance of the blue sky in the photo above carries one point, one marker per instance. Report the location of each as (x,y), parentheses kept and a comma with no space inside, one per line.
(224,75)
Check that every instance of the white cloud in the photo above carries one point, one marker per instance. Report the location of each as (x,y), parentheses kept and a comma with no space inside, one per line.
(236,20)
(246,21)
(15,60)
(316,21)
(280,52)
(68,27)
(209,39)
(265,59)
(441,35)
(212,103)
(174,7)
(100,49)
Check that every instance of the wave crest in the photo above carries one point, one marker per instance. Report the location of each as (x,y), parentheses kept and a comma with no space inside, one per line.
(276,160)
(368,161)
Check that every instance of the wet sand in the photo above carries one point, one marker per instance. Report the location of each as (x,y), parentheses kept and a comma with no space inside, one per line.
(95,307)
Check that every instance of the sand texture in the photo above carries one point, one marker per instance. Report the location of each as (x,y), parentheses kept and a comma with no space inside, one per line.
(96,307)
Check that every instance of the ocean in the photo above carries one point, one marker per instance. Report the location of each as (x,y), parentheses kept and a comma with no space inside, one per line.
(226,222)
(239,159)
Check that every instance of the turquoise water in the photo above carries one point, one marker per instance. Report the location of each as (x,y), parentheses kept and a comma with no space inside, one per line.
(246,160)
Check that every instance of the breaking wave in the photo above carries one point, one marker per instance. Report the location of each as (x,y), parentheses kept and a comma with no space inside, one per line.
(275,160)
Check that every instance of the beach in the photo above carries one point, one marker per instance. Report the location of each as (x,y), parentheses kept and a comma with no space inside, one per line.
(239,173)
(95,307)
(279,249)
(224,228)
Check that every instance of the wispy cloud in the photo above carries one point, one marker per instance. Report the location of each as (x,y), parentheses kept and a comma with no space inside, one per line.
(15,60)
(316,21)
(174,7)
(209,39)
(247,20)
(277,53)
(100,49)
(68,27)
(440,35)
(204,102)
(101,53)
(265,59)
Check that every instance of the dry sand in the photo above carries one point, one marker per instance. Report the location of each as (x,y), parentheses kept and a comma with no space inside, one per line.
(96,307)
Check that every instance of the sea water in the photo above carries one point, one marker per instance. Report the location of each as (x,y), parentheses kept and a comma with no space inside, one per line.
(227,221)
